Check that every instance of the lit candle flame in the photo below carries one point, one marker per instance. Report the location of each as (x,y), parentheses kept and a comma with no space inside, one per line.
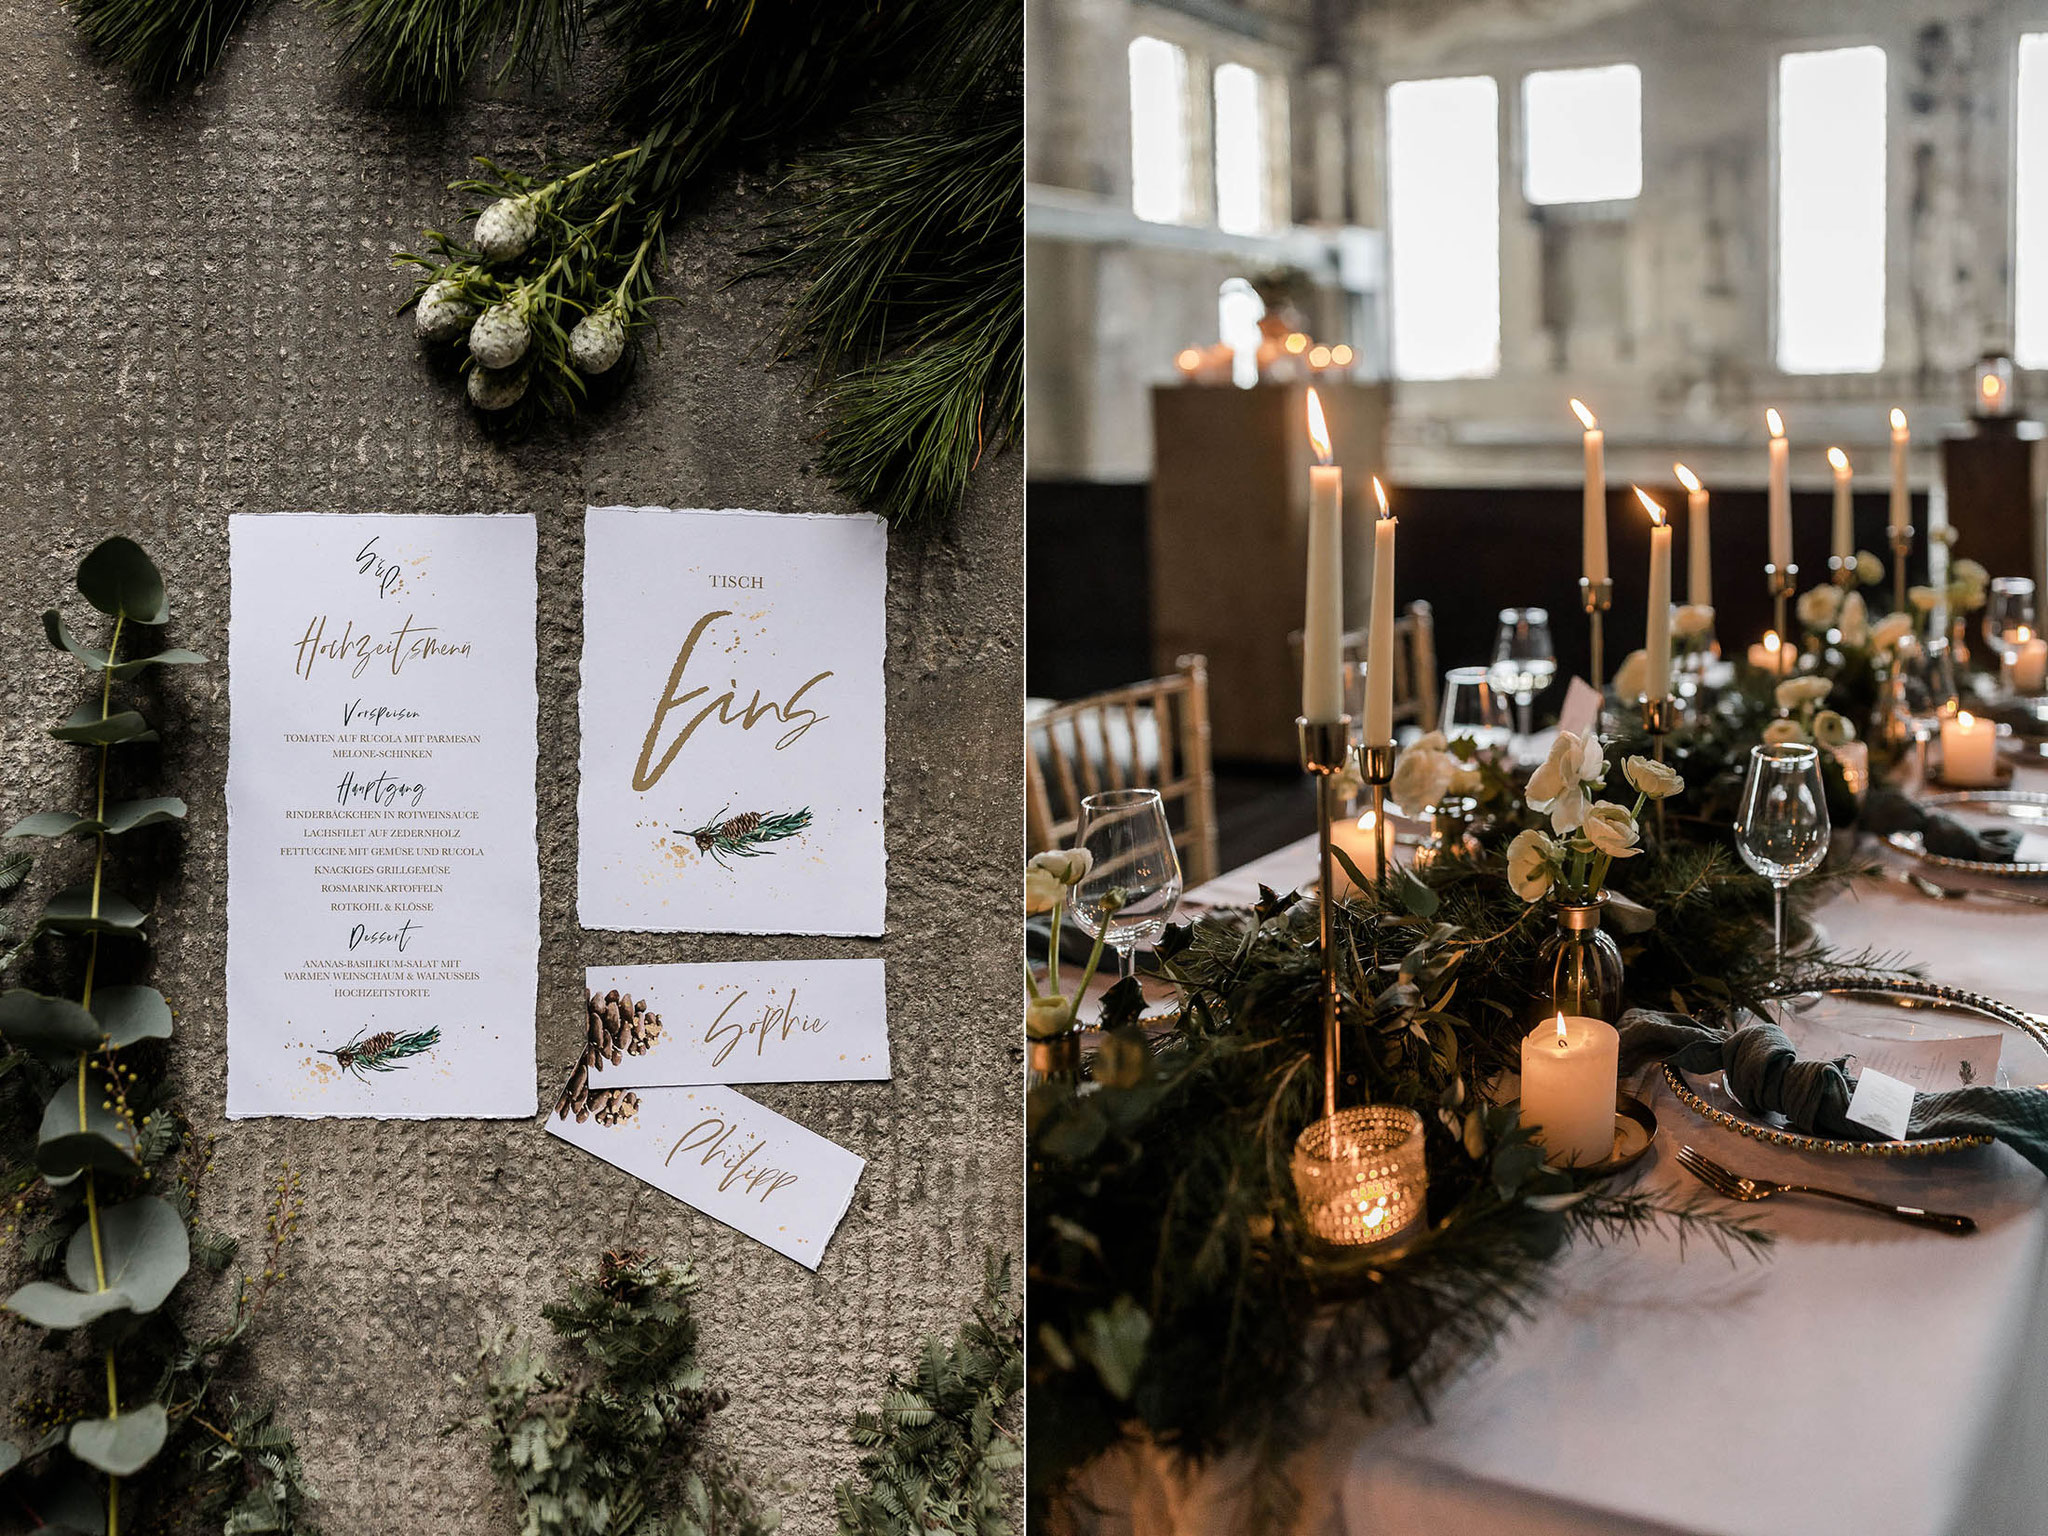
(1586,417)
(1775,422)
(1297,342)
(1992,385)
(1771,640)
(1898,420)
(1188,360)
(1318,429)
(2025,634)
(1379,494)
(1966,720)
(1839,460)
(1656,512)
(1342,355)
(1319,356)
(1686,477)
(1562,1039)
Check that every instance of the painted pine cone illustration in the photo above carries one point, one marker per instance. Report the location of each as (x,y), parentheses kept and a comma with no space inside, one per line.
(386,1051)
(746,835)
(617,1025)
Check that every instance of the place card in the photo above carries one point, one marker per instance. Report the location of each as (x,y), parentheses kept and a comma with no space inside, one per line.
(733,748)
(1580,713)
(776,1021)
(1930,1056)
(1882,1104)
(736,1161)
(383,874)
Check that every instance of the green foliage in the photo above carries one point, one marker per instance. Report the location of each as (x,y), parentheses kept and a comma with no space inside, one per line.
(746,836)
(938,1453)
(421,53)
(161,45)
(609,1441)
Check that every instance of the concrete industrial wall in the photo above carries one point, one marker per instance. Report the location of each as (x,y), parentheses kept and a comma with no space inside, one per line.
(195,319)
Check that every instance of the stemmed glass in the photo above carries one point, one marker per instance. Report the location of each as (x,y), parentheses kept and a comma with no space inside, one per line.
(1523,661)
(1922,688)
(1473,707)
(1135,882)
(1782,829)
(2009,610)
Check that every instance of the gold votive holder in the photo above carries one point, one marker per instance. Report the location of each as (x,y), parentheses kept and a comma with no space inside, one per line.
(1359,1175)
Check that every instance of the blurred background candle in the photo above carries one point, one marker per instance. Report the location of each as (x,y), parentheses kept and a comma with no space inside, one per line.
(1969,750)
(1657,623)
(1355,836)
(1379,640)
(1699,555)
(1845,512)
(1570,1070)
(1594,538)
(1902,495)
(1322,627)
(1764,653)
(1781,492)
(2029,661)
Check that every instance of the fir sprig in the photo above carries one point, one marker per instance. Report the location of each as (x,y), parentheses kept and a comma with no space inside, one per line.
(421,53)
(746,835)
(385,1051)
(161,45)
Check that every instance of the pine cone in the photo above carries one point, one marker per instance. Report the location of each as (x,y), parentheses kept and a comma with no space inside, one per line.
(442,314)
(598,342)
(619,1026)
(499,338)
(496,389)
(505,229)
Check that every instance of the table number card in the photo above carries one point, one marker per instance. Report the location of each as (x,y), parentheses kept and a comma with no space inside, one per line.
(383,874)
(732,722)
(778,1021)
(736,1161)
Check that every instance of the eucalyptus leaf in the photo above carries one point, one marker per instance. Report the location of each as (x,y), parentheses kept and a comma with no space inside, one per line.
(129,1014)
(120,580)
(173,656)
(122,816)
(49,1305)
(144,1247)
(51,824)
(52,1028)
(1115,1345)
(69,1142)
(73,910)
(1417,897)
(124,1446)
(61,639)
(86,726)
(10,1457)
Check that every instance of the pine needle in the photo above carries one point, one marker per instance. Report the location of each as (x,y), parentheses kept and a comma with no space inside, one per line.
(385,1052)
(421,53)
(745,836)
(161,44)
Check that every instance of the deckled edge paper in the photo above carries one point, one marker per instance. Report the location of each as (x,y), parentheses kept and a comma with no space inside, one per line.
(719,1152)
(748,1021)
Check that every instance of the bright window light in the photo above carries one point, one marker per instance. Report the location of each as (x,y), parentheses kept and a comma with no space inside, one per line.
(1159,131)
(2030,245)
(1242,190)
(1831,110)
(1582,134)
(1443,227)
(1239,309)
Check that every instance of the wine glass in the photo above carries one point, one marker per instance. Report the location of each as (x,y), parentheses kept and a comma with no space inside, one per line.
(1473,707)
(2009,609)
(1134,884)
(1782,829)
(1523,661)
(1921,688)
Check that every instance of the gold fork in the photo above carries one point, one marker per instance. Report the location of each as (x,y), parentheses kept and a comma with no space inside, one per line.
(1734,1186)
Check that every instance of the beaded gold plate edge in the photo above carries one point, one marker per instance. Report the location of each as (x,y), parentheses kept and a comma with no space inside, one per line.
(1799,1141)
(1909,842)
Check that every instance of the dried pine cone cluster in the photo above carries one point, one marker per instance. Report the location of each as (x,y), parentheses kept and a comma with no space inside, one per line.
(617,1025)
(608,1106)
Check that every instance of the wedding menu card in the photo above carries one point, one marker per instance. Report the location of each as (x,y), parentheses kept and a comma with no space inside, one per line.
(777,1021)
(732,1159)
(733,748)
(383,873)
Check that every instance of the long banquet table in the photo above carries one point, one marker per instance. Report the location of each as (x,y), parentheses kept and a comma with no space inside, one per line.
(1867,1377)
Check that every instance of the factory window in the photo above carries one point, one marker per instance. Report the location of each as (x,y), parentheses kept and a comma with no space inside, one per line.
(2030,217)
(1443,227)
(1159,131)
(1244,151)
(1831,126)
(1582,134)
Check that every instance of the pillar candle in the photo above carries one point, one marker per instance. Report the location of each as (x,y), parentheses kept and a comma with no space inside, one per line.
(1764,654)
(1969,750)
(2029,661)
(1379,642)
(1781,493)
(1657,626)
(1322,626)
(1845,513)
(1570,1070)
(1902,493)
(1355,837)
(1594,538)
(1699,557)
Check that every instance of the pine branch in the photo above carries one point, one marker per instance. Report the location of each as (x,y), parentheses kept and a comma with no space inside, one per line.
(421,53)
(161,44)
(743,836)
(383,1052)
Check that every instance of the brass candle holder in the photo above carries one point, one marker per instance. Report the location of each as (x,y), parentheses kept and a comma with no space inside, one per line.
(1659,717)
(1784,582)
(1902,546)
(1376,767)
(1325,747)
(1842,570)
(1597,597)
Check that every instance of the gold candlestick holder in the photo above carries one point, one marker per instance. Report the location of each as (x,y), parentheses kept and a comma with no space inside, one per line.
(1325,747)
(1784,582)
(1376,766)
(1902,546)
(1842,570)
(1597,597)
(1659,717)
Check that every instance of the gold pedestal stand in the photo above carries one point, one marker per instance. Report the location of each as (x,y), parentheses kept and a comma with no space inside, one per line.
(1902,546)
(1784,582)
(1325,746)
(1597,597)
(1659,716)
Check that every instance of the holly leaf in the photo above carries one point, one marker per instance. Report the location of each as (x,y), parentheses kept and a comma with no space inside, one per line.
(120,580)
(52,1028)
(124,1446)
(73,1139)
(75,910)
(85,725)
(129,1014)
(144,1248)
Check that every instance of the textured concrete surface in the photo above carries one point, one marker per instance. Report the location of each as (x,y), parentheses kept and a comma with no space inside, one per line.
(195,319)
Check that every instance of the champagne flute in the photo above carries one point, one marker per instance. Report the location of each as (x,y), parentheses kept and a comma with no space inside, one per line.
(1782,829)
(1523,661)
(1134,884)
(1473,707)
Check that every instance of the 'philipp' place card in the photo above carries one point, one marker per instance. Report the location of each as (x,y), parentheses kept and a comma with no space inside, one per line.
(383,876)
(731,1158)
(777,1021)
(732,722)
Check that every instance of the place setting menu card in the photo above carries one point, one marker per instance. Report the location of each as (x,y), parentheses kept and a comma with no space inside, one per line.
(383,872)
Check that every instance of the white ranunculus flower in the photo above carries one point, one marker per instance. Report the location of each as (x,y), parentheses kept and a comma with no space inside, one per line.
(1945,534)
(1632,677)
(1430,741)
(1532,865)
(1798,692)
(1923,598)
(1466,781)
(1422,778)
(1832,730)
(1971,571)
(1854,620)
(1778,732)
(1869,569)
(1649,777)
(1559,786)
(1692,620)
(1042,892)
(1819,605)
(1890,630)
(1047,1016)
(1611,829)
(1069,866)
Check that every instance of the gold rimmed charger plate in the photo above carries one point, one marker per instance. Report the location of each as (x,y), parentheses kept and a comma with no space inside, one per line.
(2016,805)
(1714,1102)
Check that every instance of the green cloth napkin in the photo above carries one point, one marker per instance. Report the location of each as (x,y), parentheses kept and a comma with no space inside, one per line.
(1887,811)
(1766,1074)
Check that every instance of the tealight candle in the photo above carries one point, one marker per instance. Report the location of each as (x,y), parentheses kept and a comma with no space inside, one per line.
(1356,839)
(2029,661)
(1969,750)
(1570,1070)
(1764,654)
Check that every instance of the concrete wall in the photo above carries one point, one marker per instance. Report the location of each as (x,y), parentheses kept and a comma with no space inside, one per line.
(195,319)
